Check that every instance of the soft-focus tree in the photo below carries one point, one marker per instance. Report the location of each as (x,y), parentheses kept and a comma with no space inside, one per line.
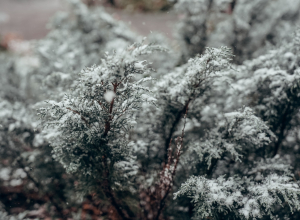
(248,27)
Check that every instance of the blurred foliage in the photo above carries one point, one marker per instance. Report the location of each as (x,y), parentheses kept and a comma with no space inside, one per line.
(134,5)
(144,5)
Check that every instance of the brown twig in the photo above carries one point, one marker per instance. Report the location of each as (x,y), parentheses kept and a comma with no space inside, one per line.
(83,118)
(152,199)
(106,173)
(109,192)
(102,106)
(174,126)
(180,113)
(108,121)
(285,119)
(179,144)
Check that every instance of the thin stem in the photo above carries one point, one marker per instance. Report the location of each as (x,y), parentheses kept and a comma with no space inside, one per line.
(180,113)
(283,123)
(179,148)
(102,106)
(106,183)
(174,126)
(83,118)
(109,191)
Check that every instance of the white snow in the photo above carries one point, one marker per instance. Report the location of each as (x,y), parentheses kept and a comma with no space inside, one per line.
(109,96)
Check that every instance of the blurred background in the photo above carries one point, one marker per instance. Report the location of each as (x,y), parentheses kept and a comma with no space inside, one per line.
(28,19)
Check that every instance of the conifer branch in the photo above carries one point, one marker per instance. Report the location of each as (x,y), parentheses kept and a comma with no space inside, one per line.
(102,106)
(109,193)
(83,118)
(282,127)
(179,145)
(184,110)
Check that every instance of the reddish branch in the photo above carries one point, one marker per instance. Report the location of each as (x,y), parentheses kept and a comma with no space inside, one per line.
(108,121)
(174,126)
(83,118)
(106,184)
(180,113)
(168,184)
(153,200)
(282,127)
(102,106)
(168,150)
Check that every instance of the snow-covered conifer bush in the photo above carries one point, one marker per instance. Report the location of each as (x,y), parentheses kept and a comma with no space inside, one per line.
(248,27)
(94,122)
(23,150)
(117,140)
(270,85)
(28,172)
(204,140)
(16,77)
